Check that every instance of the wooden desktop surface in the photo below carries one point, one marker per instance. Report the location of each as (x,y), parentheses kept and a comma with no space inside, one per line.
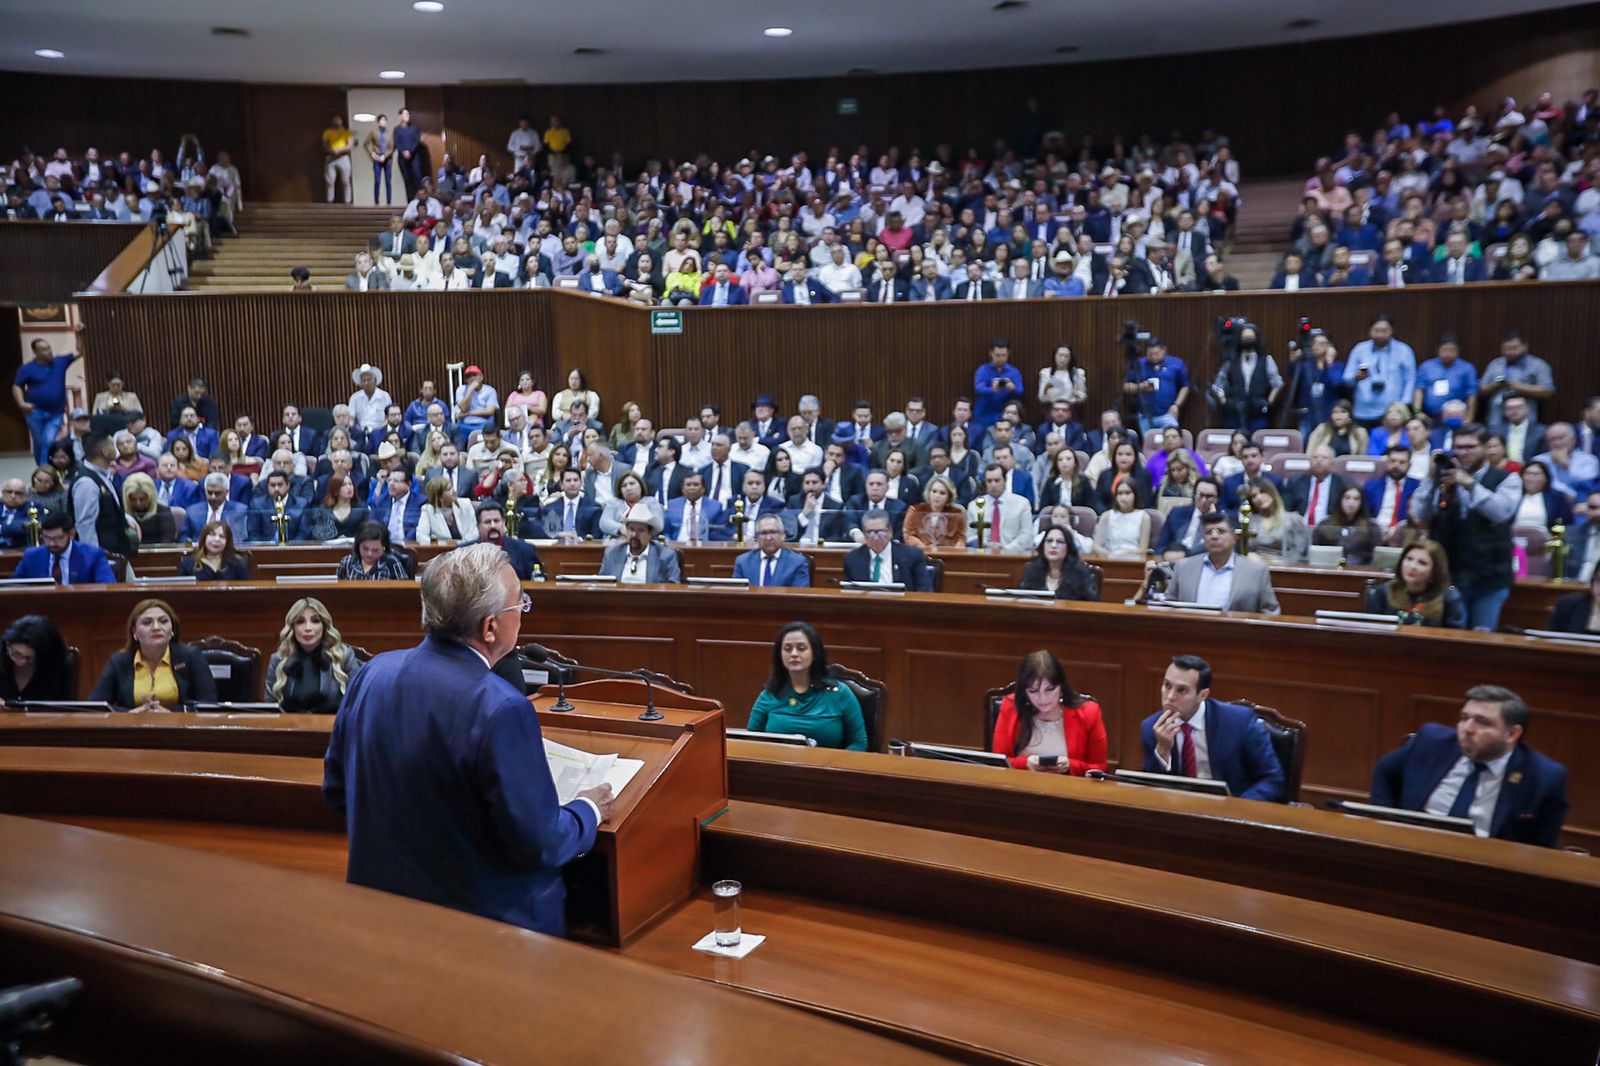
(1301,590)
(1360,692)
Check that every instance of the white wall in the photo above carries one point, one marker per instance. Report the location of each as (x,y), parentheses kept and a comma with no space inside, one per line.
(373,101)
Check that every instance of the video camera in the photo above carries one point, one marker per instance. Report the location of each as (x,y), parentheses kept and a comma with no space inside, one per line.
(1134,338)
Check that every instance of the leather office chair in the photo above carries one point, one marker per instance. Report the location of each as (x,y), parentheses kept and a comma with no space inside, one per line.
(936,569)
(318,419)
(119,565)
(870,694)
(235,668)
(407,557)
(1288,744)
(1099,580)
(991,709)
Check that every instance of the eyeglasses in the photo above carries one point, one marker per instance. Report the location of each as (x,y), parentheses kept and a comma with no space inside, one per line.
(524,605)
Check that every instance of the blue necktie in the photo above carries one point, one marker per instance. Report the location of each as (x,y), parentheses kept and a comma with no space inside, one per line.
(1462,807)
(568,524)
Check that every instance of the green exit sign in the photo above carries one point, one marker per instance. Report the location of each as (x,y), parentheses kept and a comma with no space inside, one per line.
(848,106)
(666,321)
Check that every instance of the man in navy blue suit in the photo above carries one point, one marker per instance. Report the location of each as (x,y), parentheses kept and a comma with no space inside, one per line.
(1233,489)
(1196,736)
(771,565)
(66,560)
(1390,496)
(399,507)
(260,521)
(799,289)
(492,530)
(569,514)
(598,282)
(724,290)
(1457,267)
(1481,770)
(202,438)
(438,768)
(217,506)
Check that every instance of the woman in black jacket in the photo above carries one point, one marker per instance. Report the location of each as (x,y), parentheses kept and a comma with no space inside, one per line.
(1125,459)
(34,666)
(1058,568)
(155,670)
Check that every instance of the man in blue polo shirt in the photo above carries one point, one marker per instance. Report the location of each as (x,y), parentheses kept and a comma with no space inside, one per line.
(40,389)
(1161,382)
(1444,378)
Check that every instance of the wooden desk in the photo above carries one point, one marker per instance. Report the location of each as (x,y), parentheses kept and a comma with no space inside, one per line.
(882,923)
(194,958)
(1301,590)
(1360,692)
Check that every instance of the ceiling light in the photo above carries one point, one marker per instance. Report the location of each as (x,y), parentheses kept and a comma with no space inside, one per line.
(777,31)
(1300,24)
(1067,50)
(49,53)
(428,7)
(588,50)
(391,75)
(363,116)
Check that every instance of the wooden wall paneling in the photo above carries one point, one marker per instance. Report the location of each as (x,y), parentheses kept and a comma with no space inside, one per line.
(610,341)
(49,261)
(286,124)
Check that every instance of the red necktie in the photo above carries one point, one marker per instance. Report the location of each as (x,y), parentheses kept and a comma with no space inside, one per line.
(1311,512)
(1191,767)
(994,527)
(1394,513)
(55,569)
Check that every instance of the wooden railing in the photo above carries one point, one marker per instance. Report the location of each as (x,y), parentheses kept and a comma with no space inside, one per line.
(259,351)
(46,262)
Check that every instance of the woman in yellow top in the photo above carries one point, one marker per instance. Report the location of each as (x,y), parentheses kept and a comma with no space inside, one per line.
(683,284)
(154,671)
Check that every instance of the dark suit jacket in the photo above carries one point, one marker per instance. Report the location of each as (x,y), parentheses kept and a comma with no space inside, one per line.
(1380,275)
(1308,280)
(437,766)
(1473,269)
(856,508)
(1072,433)
(379,512)
(1238,747)
(1570,614)
(1297,494)
(233,513)
(652,481)
(1355,277)
(852,482)
(919,289)
(832,517)
(191,670)
(86,565)
(902,291)
(910,566)
(586,521)
(820,294)
(791,571)
(1232,485)
(524,556)
(183,493)
(1176,525)
(736,294)
(986,290)
(1533,796)
(1375,489)
(260,526)
(310,440)
(205,441)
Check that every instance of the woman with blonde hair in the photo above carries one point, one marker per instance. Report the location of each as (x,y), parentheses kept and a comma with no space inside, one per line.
(429,459)
(938,521)
(155,523)
(1280,535)
(622,432)
(446,517)
(313,666)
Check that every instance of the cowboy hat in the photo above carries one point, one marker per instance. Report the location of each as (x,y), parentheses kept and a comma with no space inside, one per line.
(644,516)
(365,368)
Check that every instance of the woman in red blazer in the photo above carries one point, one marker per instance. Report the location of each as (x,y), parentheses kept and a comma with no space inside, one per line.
(1047,726)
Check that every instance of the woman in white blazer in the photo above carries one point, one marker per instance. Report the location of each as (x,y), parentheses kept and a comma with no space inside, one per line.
(446,516)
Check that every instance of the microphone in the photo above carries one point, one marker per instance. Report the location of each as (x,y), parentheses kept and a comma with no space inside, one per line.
(541,654)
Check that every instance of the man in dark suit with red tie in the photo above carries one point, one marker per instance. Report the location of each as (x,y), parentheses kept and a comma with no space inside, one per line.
(1389,497)
(1196,736)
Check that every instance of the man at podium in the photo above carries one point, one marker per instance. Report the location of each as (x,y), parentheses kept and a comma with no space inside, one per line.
(438,767)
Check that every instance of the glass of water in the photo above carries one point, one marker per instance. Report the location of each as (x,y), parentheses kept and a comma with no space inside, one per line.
(726,895)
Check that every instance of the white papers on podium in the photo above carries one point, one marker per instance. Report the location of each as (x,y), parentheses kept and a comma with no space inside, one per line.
(577,771)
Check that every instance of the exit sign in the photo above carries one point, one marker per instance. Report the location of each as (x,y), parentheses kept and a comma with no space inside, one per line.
(666,321)
(848,106)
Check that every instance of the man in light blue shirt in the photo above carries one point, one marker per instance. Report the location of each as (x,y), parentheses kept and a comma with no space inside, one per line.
(1382,370)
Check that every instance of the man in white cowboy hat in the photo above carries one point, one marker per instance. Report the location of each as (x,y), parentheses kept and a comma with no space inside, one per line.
(405,277)
(638,560)
(368,402)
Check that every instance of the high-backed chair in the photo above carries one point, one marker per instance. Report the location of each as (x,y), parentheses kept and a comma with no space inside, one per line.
(1277,441)
(319,419)
(871,694)
(118,564)
(235,668)
(1288,744)
(1213,443)
(991,709)
(1153,439)
(936,569)
(1359,468)
(1099,580)
(1083,521)
(407,557)
(1288,465)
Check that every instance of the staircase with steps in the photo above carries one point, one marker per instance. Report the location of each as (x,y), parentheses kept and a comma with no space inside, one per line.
(275,238)
(1266,211)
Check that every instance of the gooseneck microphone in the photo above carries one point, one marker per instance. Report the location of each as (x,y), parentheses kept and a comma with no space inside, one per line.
(543,655)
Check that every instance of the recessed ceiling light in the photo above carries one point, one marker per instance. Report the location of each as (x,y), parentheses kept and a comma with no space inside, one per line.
(363,116)
(49,53)
(777,31)
(391,75)
(429,7)
(1301,24)
(1009,5)
(587,50)
(1067,49)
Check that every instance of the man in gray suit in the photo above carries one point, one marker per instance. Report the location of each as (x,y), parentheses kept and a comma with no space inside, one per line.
(394,242)
(1219,577)
(1020,285)
(638,560)
(366,278)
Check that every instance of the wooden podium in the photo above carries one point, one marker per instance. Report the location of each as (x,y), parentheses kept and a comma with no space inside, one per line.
(646,859)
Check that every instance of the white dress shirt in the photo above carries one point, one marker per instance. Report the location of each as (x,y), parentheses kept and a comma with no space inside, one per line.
(697,456)
(1197,736)
(804,455)
(368,411)
(1216,586)
(1481,812)
(755,457)
(885,560)
(635,570)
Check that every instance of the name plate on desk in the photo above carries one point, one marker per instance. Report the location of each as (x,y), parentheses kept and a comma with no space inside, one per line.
(164,579)
(1357,620)
(586,579)
(1589,639)
(720,582)
(1401,816)
(1182,784)
(1019,594)
(871,586)
(1184,605)
(798,740)
(307,579)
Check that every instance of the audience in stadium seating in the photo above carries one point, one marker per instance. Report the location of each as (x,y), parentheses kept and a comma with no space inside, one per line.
(1045,726)
(155,668)
(800,697)
(312,666)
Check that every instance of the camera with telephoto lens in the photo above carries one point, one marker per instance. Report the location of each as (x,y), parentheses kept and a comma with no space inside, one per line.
(1444,462)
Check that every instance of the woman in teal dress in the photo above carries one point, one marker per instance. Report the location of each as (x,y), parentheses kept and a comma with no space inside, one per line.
(799,697)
